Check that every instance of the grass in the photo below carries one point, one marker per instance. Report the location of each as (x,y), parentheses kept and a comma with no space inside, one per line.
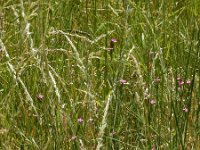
(65,85)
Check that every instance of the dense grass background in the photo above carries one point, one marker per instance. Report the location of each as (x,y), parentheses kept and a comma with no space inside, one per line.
(61,86)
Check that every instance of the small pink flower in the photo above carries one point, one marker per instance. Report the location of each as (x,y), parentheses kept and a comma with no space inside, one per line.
(40,97)
(185,109)
(178,78)
(122,81)
(152,102)
(80,120)
(153,148)
(188,82)
(180,82)
(113,40)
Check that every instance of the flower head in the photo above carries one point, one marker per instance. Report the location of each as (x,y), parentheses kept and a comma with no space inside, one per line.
(122,81)
(113,40)
(80,120)
(188,82)
(180,82)
(178,78)
(153,148)
(185,109)
(152,102)
(40,97)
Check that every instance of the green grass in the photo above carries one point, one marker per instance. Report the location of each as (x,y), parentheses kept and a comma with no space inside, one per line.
(56,68)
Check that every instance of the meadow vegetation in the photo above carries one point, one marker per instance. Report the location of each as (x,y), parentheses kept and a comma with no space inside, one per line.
(101,74)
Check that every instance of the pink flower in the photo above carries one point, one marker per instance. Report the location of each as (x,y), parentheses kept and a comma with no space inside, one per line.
(152,102)
(113,40)
(80,120)
(122,81)
(153,148)
(188,82)
(180,82)
(178,78)
(185,109)
(40,97)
